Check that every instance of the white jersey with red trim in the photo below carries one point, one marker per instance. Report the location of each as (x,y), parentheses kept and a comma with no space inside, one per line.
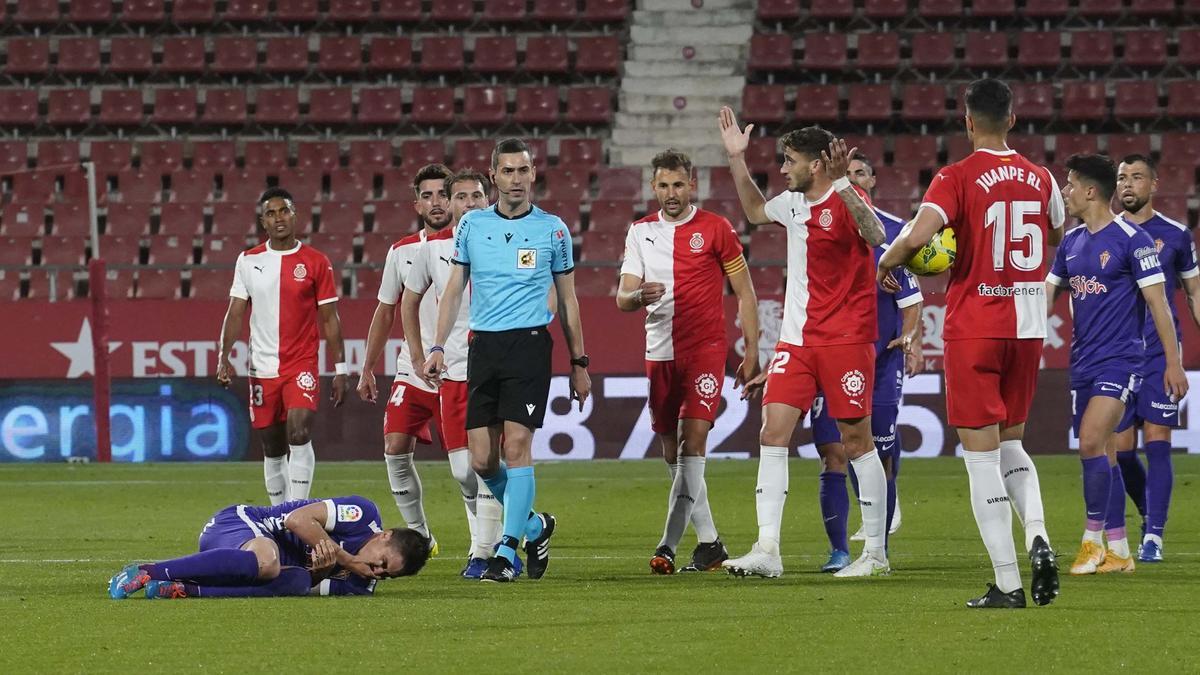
(396,268)
(284,289)
(432,267)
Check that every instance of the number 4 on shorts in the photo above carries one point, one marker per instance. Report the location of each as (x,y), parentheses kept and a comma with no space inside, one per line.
(397,395)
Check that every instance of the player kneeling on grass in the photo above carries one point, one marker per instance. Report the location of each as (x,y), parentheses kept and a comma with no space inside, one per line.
(288,549)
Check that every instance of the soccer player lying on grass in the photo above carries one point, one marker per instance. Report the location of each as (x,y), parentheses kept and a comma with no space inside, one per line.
(310,546)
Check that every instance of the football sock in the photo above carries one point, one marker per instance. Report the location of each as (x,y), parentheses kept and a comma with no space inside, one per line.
(1023,488)
(225,566)
(872,499)
(518,500)
(460,468)
(1097,481)
(1134,476)
(406,490)
(1114,517)
(680,502)
(702,519)
(989,503)
(835,509)
(1159,481)
(487,521)
(291,581)
(853,478)
(771,493)
(497,482)
(301,465)
(275,474)
(891,507)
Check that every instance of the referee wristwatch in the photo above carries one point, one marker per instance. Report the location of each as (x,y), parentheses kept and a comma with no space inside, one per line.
(582,361)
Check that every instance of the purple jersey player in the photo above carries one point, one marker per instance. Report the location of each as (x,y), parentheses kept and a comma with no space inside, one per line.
(1155,412)
(1112,271)
(310,546)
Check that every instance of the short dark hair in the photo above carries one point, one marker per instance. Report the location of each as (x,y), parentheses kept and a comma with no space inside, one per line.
(860,157)
(467,175)
(809,141)
(275,193)
(413,546)
(509,146)
(1098,170)
(989,100)
(429,172)
(672,160)
(1144,159)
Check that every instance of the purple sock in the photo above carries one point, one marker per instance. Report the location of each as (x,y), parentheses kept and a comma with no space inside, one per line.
(1134,475)
(291,581)
(835,509)
(1159,480)
(1114,517)
(891,506)
(222,566)
(1097,482)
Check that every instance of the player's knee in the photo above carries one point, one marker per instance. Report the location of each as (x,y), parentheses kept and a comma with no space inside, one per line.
(777,437)
(267,554)
(1092,445)
(398,444)
(485,466)
(298,436)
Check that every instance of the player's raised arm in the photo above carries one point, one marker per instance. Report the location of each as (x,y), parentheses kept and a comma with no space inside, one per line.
(309,523)
(736,141)
(919,232)
(1174,378)
(837,160)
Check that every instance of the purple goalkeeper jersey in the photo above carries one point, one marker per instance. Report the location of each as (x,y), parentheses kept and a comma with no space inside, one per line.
(1177,255)
(1105,273)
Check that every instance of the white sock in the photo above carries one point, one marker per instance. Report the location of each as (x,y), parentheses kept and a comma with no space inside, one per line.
(1021,483)
(702,519)
(771,494)
(460,468)
(275,470)
(301,465)
(488,511)
(1094,536)
(989,503)
(872,500)
(406,489)
(1119,547)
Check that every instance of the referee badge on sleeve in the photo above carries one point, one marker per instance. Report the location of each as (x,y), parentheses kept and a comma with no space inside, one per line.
(526,258)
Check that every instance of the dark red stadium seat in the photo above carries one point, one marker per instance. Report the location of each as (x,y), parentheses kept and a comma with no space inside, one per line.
(768,244)
(277,106)
(57,153)
(762,155)
(160,156)
(119,250)
(602,246)
(1066,145)
(832,10)
(171,249)
(234,55)
(286,55)
(1033,100)
(770,52)
(878,51)
(580,153)
(606,11)
(19,107)
(923,102)
(546,55)
(297,11)
(63,251)
(127,219)
(933,51)
(341,217)
(234,218)
(474,153)
(485,106)
(193,12)
(569,185)
(138,186)
(389,54)
(764,104)
(415,154)
(337,247)
(349,11)
(1046,9)
(13,156)
(158,284)
(619,183)
(392,218)
(381,106)
(224,107)
(214,155)
(778,10)
(174,106)
(65,107)
(611,215)
(304,184)
(768,280)
(318,156)
(885,9)
(78,56)
(142,11)
(15,251)
(399,11)
(350,184)
(370,155)
(433,105)
(986,51)
(1084,101)
(181,219)
(537,106)
(110,156)
(245,11)
(183,56)
(1189,47)
(598,55)
(589,105)
(10,284)
(1172,206)
(340,55)
(452,11)
(1092,49)
(895,183)
(568,210)
(994,9)
(1122,145)
(330,106)
(1039,50)
(539,150)
(28,56)
(1031,146)
(265,154)
(90,11)
(720,184)
(1100,9)
(596,282)
(245,185)
(555,11)
(23,220)
(503,11)
(494,54)
(1137,100)
(824,51)
(870,102)
(917,151)
(121,107)
(1145,49)
(940,9)
(441,55)
(1183,99)
(1175,181)
(35,12)
(1180,148)
(818,103)
(1150,8)
(224,250)
(60,285)
(365,281)
(192,186)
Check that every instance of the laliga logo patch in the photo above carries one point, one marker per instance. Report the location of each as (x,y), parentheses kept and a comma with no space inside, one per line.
(300,272)
(825,220)
(349,513)
(696,242)
(706,385)
(853,383)
(1104,258)
(306,381)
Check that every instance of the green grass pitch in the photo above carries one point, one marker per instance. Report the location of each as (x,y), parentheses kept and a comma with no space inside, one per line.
(68,528)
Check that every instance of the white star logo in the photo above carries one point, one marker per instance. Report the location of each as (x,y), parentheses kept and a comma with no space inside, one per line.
(80,352)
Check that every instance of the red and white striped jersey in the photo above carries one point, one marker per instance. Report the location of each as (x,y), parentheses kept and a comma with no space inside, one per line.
(1001,206)
(432,267)
(830,298)
(691,258)
(396,268)
(284,289)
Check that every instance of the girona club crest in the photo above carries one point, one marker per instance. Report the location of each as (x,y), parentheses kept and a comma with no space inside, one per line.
(300,272)
(696,242)
(825,220)
(853,383)
(306,381)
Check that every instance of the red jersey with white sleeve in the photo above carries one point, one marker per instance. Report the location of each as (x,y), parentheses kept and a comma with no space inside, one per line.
(691,257)
(396,268)
(431,268)
(284,289)
(1001,206)
(830,298)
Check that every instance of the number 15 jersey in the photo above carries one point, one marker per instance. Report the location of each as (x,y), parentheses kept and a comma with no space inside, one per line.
(1001,207)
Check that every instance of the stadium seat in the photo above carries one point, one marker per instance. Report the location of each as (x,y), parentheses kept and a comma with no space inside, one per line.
(579,153)
(389,54)
(933,51)
(764,104)
(770,52)
(485,106)
(871,146)
(596,282)
(319,156)
(1033,101)
(337,247)
(768,244)
(986,51)
(940,9)
(140,187)
(19,107)
(10,283)
(245,11)
(297,11)
(350,184)
(65,107)
(452,11)
(432,105)
(193,12)
(57,153)
(223,250)
(340,55)
(365,281)
(494,55)
(417,153)
(16,250)
(174,106)
(370,155)
(33,187)
(503,11)
(142,11)
(1175,181)
(916,151)
(381,106)
(341,217)
(28,56)
(399,11)
(179,219)
(158,284)
(474,153)
(1100,9)
(1189,47)
(286,55)
(1122,145)
(1039,50)
(441,55)
(1151,8)
(547,55)
(304,184)
(1084,102)
(869,103)
(769,280)
(554,11)
(1046,9)
(330,106)
(568,210)
(598,55)
(1145,49)
(169,249)
(923,102)
(602,246)
(721,185)
(589,105)
(1183,99)
(349,11)
(23,220)
(1066,145)
(611,215)
(234,55)
(568,185)
(1031,146)
(110,156)
(1137,100)
(265,155)
(606,11)
(1180,148)
(64,285)
(762,155)
(539,150)
(78,56)
(824,51)
(113,249)
(619,183)
(885,9)
(994,9)
(878,51)
(234,219)
(277,106)
(244,185)
(895,183)
(393,218)
(160,156)
(214,155)
(183,56)
(818,103)
(1092,49)
(192,186)
(84,12)
(13,156)
(778,10)
(537,106)
(36,12)
(210,284)
(224,107)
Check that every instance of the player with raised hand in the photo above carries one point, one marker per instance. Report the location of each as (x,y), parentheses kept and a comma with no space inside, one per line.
(827,342)
(302,547)
(291,293)
(1004,210)
(413,402)
(675,266)
(1112,270)
(1155,411)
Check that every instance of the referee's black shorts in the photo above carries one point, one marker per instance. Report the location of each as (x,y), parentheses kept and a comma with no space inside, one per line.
(508,377)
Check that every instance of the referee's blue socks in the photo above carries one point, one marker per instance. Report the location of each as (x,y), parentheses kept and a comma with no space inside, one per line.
(518,502)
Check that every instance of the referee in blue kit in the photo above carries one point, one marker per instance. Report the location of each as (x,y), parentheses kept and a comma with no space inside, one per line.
(511,253)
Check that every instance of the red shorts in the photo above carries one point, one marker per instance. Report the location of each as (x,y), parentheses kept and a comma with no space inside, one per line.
(410,409)
(990,380)
(844,373)
(272,397)
(688,387)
